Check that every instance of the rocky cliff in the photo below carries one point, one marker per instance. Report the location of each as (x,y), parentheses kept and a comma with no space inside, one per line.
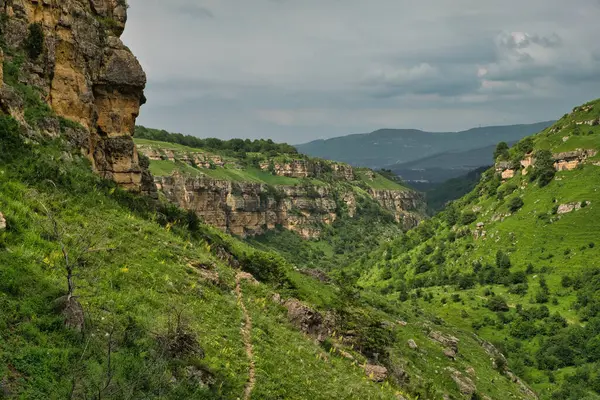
(249,208)
(407,206)
(294,192)
(84,72)
(245,208)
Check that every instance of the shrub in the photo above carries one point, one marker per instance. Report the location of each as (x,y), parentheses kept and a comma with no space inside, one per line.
(265,266)
(515,204)
(34,44)
(468,217)
(502,260)
(497,303)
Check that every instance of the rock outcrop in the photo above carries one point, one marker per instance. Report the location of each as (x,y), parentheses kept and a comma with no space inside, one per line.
(565,161)
(245,208)
(570,160)
(308,320)
(407,206)
(249,208)
(85,74)
(376,373)
(464,383)
(197,159)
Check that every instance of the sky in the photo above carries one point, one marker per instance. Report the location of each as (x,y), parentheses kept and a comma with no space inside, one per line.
(299,70)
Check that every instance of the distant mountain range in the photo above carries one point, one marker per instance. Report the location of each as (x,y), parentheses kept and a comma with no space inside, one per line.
(443,166)
(390,147)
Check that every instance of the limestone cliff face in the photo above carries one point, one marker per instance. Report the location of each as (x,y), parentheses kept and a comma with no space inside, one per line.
(407,206)
(245,208)
(86,74)
(251,208)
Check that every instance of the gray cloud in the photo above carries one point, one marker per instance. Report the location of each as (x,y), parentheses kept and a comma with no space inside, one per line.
(194,11)
(299,70)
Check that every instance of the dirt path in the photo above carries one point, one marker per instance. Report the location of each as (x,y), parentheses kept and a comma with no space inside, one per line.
(246,331)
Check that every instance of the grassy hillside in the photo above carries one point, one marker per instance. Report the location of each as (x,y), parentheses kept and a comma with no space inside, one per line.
(386,147)
(517,261)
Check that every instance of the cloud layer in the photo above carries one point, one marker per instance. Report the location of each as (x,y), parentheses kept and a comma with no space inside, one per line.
(299,70)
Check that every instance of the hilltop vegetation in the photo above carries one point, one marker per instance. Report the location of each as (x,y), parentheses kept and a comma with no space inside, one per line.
(236,147)
(516,260)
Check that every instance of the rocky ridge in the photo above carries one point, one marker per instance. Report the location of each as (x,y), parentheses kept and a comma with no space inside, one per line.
(251,208)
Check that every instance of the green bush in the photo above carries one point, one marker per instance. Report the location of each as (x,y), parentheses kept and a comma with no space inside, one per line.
(34,44)
(468,217)
(497,303)
(266,267)
(515,204)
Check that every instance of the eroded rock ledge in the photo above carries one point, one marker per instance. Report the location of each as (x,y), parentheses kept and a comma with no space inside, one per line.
(245,208)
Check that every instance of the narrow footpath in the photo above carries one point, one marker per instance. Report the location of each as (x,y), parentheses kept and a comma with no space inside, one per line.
(246,331)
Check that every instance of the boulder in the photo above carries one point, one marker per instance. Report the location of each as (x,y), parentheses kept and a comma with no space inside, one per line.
(450,353)
(2,222)
(465,384)
(447,341)
(376,373)
(412,344)
(72,311)
(305,318)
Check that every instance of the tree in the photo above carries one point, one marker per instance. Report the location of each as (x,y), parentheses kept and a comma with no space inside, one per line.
(526,145)
(501,152)
(34,44)
(497,304)
(543,170)
(74,247)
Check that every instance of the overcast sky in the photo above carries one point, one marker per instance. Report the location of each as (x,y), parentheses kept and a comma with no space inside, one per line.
(298,70)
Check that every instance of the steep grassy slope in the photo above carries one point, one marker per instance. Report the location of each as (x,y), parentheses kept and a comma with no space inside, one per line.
(386,147)
(517,259)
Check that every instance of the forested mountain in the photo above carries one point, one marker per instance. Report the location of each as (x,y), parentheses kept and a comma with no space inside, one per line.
(386,147)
